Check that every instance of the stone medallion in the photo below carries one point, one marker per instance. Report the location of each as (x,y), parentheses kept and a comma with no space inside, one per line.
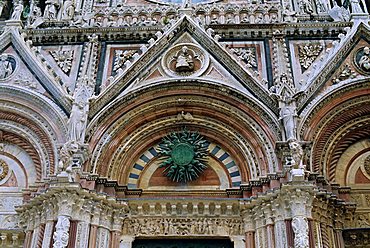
(185,60)
(362,60)
(7,66)
(4,169)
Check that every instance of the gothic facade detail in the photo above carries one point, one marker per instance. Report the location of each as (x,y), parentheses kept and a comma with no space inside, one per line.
(193,123)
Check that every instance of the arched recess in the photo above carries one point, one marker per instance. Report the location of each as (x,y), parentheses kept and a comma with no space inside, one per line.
(335,121)
(135,122)
(33,123)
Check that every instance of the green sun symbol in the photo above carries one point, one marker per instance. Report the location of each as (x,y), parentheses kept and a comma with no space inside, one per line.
(184,155)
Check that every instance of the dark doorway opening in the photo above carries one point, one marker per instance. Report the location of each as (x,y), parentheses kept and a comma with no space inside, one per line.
(182,243)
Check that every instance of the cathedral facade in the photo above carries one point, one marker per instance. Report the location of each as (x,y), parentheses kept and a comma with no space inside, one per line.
(204,123)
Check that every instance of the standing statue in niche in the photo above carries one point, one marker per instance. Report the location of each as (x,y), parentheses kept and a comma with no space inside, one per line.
(77,122)
(6,68)
(184,60)
(17,12)
(306,7)
(288,115)
(67,10)
(51,9)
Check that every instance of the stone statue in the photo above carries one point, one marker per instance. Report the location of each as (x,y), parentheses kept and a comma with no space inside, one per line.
(17,12)
(306,7)
(77,122)
(36,17)
(6,68)
(364,61)
(51,9)
(357,8)
(338,13)
(184,61)
(67,10)
(297,154)
(2,5)
(287,115)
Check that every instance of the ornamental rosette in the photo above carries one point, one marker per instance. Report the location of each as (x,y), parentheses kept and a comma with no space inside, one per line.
(184,155)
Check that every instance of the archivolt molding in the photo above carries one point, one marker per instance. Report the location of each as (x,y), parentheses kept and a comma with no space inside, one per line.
(25,169)
(342,91)
(20,100)
(44,126)
(46,158)
(339,141)
(198,87)
(162,113)
(336,127)
(20,149)
(224,133)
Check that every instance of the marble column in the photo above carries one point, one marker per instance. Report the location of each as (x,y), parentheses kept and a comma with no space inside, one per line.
(48,233)
(61,234)
(82,234)
(93,233)
(280,233)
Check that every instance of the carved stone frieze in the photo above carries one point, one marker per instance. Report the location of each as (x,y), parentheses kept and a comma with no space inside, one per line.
(61,234)
(120,57)
(183,226)
(4,169)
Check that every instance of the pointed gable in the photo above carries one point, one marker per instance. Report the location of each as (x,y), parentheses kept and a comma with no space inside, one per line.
(339,64)
(35,74)
(156,62)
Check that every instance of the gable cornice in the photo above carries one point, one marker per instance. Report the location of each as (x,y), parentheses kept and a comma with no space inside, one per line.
(331,63)
(184,24)
(13,37)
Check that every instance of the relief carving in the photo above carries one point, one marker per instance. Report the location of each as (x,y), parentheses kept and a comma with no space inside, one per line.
(64,59)
(199,226)
(307,54)
(362,60)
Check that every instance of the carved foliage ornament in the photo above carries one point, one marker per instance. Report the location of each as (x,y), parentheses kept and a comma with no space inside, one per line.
(120,57)
(64,59)
(308,53)
(4,169)
(362,60)
(184,155)
(248,55)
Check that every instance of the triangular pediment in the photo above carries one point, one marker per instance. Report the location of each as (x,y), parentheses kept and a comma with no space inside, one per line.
(27,69)
(183,52)
(340,65)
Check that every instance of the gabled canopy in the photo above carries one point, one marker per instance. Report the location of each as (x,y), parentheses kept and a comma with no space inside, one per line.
(166,41)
